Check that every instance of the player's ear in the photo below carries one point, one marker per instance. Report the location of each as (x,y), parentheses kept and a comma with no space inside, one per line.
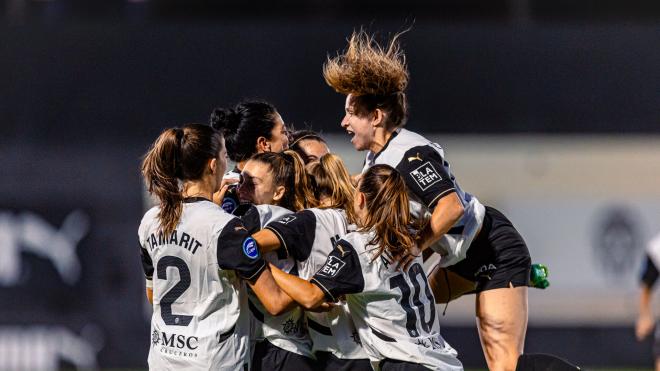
(263,145)
(279,193)
(378,118)
(212,165)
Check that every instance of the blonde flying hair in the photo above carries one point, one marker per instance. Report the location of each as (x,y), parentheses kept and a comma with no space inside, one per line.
(330,179)
(375,76)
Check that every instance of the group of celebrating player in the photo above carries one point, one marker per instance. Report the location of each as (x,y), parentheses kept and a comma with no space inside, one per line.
(304,267)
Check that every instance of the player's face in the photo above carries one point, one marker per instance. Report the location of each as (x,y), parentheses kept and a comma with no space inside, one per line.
(256,184)
(313,149)
(279,135)
(360,129)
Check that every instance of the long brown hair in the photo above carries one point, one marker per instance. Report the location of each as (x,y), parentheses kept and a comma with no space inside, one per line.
(289,171)
(178,154)
(388,212)
(330,179)
(376,76)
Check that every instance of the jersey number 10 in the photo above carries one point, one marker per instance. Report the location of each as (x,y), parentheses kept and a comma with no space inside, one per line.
(417,305)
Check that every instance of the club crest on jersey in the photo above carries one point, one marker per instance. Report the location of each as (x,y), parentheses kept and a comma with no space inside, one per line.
(425,176)
(287,219)
(332,266)
(250,248)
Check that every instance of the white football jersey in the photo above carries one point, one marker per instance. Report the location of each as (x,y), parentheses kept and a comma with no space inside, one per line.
(428,177)
(200,319)
(394,310)
(287,331)
(309,236)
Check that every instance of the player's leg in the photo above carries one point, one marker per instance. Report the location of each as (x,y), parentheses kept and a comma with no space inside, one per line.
(448,285)
(396,365)
(501,303)
(502,324)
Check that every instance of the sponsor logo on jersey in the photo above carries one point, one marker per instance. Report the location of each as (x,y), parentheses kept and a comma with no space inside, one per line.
(228,204)
(287,219)
(175,344)
(332,266)
(250,248)
(425,176)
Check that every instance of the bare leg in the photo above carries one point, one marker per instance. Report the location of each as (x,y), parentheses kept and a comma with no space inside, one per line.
(502,323)
(447,285)
(657,364)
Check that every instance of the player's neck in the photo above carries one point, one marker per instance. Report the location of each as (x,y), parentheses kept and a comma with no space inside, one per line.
(381,137)
(198,188)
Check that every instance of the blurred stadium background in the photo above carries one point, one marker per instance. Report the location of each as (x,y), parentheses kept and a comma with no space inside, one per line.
(547,110)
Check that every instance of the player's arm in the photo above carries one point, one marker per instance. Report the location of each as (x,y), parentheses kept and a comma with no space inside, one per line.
(308,295)
(148,267)
(340,275)
(293,233)
(448,210)
(645,320)
(237,251)
(270,295)
(423,170)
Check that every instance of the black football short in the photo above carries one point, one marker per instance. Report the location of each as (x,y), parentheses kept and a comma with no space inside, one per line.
(326,361)
(268,357)
(498,257)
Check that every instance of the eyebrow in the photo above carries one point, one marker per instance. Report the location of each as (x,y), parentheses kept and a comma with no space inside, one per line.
(246,174)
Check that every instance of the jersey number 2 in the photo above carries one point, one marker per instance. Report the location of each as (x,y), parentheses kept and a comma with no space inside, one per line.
(411,311)
(176,291)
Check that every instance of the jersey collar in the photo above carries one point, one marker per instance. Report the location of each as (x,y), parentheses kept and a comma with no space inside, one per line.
(373,156)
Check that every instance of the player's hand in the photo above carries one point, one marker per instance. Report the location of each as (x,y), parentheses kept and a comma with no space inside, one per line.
(220,194)
(644,326)
(324,307)
(408,258)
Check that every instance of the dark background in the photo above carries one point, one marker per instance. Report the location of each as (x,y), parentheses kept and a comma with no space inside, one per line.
(85,86)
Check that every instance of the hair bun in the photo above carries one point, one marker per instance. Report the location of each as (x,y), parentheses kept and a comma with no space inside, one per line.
(225,119)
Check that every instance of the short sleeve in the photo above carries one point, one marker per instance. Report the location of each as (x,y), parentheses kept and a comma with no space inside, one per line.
(649,273)
(147,263)
(341,274)
(239,252)
(425,174)
(296,233)
(252,220)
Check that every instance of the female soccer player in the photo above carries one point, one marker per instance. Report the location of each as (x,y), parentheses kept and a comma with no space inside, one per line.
(480,249)
(198,253)
(309,236)
(309,145)
(249,128)
(276,185)
(394,310)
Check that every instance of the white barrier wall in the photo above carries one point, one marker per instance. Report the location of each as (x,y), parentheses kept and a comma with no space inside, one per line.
(586,205)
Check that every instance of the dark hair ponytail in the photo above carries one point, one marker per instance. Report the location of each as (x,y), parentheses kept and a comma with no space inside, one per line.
(243,125)
(388,211)
(178,154)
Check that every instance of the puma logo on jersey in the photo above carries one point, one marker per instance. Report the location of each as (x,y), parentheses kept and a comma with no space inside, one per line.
(341,250)
(287,219)
(240,228)
(415,157)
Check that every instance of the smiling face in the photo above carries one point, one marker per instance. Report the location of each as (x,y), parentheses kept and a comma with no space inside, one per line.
(360,128)
(257,186)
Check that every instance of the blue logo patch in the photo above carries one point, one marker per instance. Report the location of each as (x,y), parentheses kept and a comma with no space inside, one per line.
(228,205)
(250,248)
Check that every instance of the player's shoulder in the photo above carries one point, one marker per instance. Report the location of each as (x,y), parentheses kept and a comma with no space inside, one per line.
(653,246)
(406,144)
(206,214)
(149,221)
